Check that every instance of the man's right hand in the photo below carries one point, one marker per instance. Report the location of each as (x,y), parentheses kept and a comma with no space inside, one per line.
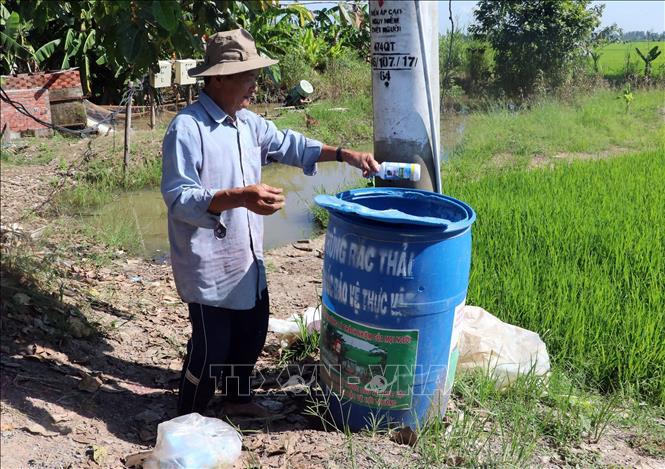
(263,199)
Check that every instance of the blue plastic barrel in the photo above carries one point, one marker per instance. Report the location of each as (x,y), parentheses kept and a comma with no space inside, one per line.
(395,271)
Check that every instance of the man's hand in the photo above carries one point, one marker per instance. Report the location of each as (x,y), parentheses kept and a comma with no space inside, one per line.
(263,199)
(362,160)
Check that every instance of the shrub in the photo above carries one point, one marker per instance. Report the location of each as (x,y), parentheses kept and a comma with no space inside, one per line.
(532,39)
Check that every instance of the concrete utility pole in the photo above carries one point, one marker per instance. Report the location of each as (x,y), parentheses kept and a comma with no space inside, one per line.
(405,87)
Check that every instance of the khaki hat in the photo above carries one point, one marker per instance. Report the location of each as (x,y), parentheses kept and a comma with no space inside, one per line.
(230,52)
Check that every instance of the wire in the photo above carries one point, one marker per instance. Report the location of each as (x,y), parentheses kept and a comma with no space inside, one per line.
(22,110)
(127,97)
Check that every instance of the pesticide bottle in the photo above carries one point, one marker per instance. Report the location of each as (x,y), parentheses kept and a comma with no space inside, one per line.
(399,171)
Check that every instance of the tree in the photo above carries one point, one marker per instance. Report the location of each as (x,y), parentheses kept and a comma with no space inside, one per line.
(113,41)
(534,38)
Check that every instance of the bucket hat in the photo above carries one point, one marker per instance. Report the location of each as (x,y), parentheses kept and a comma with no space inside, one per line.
(230,52)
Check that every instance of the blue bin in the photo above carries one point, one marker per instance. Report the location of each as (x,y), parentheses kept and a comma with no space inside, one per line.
(395,272)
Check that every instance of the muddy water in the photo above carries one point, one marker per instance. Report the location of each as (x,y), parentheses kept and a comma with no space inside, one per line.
(146,209)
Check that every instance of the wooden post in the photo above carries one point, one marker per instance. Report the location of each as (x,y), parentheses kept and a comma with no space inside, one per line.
(128,128)
(177,96)
(189,95)
(151,96)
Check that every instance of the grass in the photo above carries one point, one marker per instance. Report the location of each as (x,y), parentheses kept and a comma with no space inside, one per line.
(537,418)
(22,154)
(346,122)
(577,254)
(102,178)
(304,348)
(591,124)
(615,56)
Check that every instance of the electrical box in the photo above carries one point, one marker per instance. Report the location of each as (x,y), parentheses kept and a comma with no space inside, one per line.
(181,67)
(162,79)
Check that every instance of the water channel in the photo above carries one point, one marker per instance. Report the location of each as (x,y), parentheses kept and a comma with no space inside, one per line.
(146,209)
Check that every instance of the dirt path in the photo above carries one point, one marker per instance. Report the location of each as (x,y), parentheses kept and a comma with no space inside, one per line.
(91,366)
(91,352)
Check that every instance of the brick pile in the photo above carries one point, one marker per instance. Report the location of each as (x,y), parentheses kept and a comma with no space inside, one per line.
(36,102)
(37,92)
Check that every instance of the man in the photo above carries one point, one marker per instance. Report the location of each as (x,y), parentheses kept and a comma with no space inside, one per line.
(213,152)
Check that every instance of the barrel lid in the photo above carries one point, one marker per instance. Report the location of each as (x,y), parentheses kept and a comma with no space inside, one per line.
(401,206)
(306,87)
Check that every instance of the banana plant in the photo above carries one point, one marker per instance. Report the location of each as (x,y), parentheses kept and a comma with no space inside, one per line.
(648,58)
(113,41)
(78,44)
(275,28)
(10,22)
(17,50)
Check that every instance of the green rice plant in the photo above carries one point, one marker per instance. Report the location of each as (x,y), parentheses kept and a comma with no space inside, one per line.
(577,254)
(613,56)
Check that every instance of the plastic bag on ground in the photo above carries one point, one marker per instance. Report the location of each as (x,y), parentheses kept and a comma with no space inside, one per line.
(195,442)
(287,329)
(505,350)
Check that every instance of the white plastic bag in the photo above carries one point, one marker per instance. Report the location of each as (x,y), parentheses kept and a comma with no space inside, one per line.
(287,330)
(505,350)
(194,442)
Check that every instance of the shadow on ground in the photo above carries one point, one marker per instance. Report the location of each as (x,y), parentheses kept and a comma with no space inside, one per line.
(52,354)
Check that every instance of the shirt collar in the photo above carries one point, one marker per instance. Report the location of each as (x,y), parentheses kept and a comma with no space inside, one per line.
(215,112)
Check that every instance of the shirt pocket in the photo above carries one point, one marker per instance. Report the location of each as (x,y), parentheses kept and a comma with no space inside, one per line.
(252,165)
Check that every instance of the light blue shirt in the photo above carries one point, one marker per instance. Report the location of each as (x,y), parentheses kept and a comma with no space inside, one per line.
(218,259)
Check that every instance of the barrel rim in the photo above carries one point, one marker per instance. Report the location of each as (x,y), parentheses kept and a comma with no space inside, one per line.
(351,210)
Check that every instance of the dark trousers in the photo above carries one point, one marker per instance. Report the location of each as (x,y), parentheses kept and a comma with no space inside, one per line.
(222,352)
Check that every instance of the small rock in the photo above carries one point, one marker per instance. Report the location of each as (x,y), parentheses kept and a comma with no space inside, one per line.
(98,454)
(82,439)
(37,429)
(272,405)
(78,328)
(146,435)
(90,383)
(404,436)
(137,459)
(6,426)
(455,461)
(21,299)
(148,416)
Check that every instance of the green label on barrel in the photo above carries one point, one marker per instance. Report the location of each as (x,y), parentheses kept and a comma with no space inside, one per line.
(367,365)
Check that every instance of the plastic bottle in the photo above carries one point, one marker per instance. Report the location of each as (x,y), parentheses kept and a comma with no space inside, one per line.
(391,171)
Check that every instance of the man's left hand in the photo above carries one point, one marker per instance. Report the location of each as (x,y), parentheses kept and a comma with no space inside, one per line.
(361,160)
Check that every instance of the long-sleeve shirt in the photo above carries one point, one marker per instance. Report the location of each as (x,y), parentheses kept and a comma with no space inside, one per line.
(217,260)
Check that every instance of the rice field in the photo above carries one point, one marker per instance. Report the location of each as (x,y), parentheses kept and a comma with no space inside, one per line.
(614,57)
(577,253)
